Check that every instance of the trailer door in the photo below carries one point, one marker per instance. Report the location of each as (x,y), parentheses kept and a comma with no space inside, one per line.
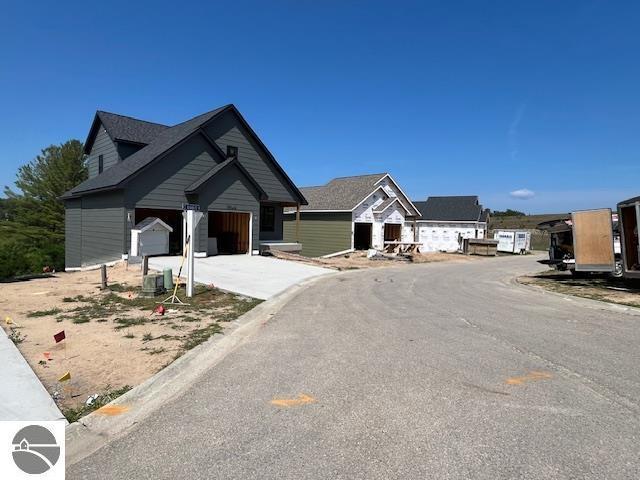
(593,240)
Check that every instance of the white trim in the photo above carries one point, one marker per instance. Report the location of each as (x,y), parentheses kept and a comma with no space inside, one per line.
(401,191)
(396,199)
(335,254)
(200,254)
(147,227)
(367,197)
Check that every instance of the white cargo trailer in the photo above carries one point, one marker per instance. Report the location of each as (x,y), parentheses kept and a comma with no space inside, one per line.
(513,241)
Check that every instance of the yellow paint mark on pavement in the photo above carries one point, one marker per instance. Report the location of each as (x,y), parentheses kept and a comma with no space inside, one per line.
(112,410)
(302,399)
(529,377)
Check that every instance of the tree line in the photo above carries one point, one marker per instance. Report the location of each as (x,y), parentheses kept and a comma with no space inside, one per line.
(32,214)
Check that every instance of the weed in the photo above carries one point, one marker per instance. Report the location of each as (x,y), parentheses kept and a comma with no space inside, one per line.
(44,313)
(74,414)
(189,318)
(129,322)
(16,337)
(129,335)
(200,335)
(156,351)
(147,337)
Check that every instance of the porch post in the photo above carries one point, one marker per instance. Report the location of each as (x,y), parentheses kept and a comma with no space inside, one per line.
(297,223)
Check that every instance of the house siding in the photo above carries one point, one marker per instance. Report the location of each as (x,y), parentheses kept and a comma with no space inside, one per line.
(229,191)
(102,145)
(162,184)
(103,228)
(73,233)
(227,130)
(277,231)
(320,233)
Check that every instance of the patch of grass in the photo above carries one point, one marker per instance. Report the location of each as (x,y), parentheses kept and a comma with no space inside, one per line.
(129,322)
(74,414)
(81,319)
(189,318)
(120,287)
(200,335)
(156,351)
(129,335)
(44,313)
(68,299)
(147,337)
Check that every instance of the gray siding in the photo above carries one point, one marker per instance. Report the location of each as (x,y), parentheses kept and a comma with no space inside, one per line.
(227,130)
(103,228)
(277,233)
(162,184)
(105,147)
(229,191)
(320,233)
(73,233)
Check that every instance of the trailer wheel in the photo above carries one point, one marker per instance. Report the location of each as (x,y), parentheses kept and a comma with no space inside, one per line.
(618,270)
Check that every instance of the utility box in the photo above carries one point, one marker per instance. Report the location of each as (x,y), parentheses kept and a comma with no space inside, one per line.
(150,237)
(152,285)
(513,241)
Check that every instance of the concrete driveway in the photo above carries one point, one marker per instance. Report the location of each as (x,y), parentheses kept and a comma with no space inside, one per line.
(444,371)
(251,275)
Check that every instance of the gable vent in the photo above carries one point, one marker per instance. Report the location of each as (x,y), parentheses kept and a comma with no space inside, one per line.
(232,152)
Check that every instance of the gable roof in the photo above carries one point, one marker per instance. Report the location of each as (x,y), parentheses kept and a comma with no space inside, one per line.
(629,201)
(346,193)
(121,128)
(149,222)
(165,141)
(195,186)
(449,209)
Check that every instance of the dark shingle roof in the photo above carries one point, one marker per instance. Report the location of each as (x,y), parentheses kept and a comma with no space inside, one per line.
(455,208)
(128,129)
(121,171)
(343,193)
(630,200)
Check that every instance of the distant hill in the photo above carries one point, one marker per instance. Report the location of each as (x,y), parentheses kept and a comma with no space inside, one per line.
(523,221)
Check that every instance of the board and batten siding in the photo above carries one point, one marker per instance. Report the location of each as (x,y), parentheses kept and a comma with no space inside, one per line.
(102,145)
(227,130)
(320,233)
(229,191)
(73,233)
(103,228)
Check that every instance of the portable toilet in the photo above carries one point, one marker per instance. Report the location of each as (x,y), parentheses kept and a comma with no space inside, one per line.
(150,237)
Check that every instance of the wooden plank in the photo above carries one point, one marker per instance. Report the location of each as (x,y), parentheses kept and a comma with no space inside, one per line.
(593,240)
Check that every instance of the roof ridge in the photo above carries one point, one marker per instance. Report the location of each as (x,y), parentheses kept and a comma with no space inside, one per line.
(134,118)
(359,176)
(209,112)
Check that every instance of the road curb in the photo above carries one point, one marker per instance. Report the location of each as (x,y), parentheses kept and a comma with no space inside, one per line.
(95,430)
(586,302)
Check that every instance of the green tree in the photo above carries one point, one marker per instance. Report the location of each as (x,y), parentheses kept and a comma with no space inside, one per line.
(36,210)
(32,219)
(508,213)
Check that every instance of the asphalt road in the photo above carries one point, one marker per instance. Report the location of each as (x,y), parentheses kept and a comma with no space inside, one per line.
(444,371)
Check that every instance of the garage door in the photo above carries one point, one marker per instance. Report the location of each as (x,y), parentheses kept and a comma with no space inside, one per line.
(231,231)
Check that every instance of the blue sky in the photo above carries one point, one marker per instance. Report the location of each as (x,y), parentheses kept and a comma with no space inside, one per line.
(541,98)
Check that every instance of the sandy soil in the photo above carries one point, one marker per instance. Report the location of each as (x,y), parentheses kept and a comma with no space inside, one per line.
(98,354)
(359,260)
(601,288)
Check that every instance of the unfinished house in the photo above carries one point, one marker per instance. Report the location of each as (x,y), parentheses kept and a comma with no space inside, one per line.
(445,221)
(348,213)
(140,169)
(628,222)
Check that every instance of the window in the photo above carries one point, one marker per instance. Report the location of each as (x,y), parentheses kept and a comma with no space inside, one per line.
(267,218)
(100,163)
(232,152)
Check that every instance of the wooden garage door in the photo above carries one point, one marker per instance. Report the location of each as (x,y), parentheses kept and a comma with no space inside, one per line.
(232,231)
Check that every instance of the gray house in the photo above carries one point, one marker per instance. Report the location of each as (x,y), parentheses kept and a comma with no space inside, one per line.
(139,169)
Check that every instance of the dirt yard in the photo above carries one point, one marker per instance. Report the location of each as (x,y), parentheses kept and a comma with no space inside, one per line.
(113,338)
(603,288)
(359,260)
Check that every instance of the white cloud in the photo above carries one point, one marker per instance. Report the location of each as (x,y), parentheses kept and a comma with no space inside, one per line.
(512,133)
(522,194)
